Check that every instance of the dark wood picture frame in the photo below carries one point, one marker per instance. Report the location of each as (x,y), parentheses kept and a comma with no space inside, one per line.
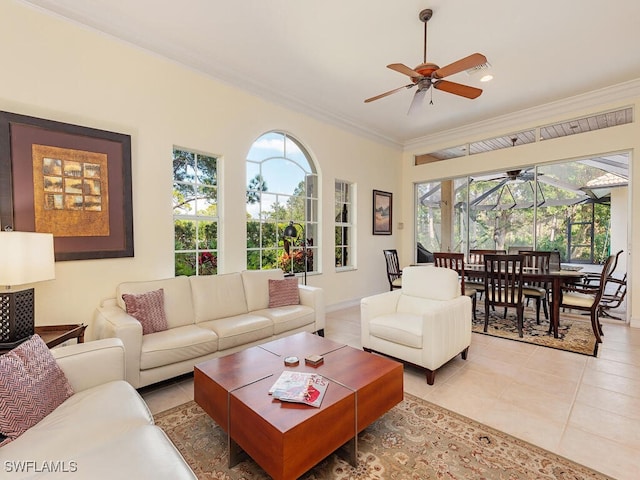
(100,223)
(382,212)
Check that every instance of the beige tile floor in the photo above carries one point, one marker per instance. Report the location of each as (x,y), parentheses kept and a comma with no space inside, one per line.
(584,408)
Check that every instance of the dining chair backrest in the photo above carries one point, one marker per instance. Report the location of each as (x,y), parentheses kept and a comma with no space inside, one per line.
(452,260)
(554,261)
(503,280)
(515,249)
(476,256)
(607,270)
(393,267)
(615,262)
(536,260)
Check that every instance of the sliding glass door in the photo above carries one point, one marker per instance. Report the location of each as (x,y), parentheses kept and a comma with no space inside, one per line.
(564,207)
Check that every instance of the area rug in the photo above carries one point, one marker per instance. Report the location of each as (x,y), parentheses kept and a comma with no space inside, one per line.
(574,334)
(415,440)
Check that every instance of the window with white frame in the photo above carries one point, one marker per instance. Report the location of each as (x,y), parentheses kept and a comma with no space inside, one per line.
(195,212)
(282,189)
(344,225)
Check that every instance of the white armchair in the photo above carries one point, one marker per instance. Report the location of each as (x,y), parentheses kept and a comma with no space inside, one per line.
(426,323)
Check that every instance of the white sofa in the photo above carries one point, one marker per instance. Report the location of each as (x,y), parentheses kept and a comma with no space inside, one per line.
(104,430)
(208,316)
(426,323)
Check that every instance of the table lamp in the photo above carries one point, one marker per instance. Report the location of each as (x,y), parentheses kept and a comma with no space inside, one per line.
(25,257)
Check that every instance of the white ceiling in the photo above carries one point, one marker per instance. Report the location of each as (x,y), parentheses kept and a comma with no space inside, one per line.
(325,57)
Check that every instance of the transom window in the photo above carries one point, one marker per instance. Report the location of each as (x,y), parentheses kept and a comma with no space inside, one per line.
(195,212)
(282,188)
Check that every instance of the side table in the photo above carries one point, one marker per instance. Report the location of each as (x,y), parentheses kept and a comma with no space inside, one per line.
(56,334)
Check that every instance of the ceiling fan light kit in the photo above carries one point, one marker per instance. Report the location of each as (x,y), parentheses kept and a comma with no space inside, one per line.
(428,74)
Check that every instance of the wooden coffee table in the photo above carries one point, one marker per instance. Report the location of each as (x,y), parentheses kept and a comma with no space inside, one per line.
(287,439)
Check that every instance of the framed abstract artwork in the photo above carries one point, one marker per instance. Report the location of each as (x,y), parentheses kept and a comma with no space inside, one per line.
(382,212)
(68,180)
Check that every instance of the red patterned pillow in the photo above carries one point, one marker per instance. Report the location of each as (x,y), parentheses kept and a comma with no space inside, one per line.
(283,292)
(32,385)
(148,309)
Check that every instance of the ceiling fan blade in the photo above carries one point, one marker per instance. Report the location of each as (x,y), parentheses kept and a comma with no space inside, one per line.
(399,67)
(457,89)
(388,93)
(465,63)
(416,103)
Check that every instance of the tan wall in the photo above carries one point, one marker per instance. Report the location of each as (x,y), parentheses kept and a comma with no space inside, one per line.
(58,70)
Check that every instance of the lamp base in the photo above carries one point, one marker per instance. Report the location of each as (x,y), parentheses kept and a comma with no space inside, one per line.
(16,317)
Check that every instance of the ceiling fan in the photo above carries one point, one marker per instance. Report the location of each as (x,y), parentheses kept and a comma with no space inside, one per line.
(427,75)
(516,175)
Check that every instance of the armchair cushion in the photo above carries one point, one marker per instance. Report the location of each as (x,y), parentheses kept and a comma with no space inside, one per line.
(430,282)
(402,328)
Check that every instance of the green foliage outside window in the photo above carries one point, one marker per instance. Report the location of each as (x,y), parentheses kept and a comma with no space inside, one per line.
(280,189)
(195,211)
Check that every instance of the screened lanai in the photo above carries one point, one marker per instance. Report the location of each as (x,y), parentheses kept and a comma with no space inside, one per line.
(566,207)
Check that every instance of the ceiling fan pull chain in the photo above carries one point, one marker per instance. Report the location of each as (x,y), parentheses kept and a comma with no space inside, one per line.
(431,93)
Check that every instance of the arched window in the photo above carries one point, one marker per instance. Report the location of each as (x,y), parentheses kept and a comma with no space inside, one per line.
(282,189)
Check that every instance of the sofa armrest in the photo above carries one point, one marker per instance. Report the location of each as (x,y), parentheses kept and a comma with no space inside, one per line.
(314,297)
(90,364)
(374,306)
(112,322)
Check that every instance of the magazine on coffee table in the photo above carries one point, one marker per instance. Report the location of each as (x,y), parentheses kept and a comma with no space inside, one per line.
(300,387)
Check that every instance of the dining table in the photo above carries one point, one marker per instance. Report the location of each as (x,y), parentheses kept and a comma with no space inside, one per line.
(556,278)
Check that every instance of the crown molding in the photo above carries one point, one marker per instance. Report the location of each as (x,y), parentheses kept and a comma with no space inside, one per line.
(617,93)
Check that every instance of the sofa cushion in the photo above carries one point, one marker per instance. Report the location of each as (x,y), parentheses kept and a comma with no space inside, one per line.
(256,287)
(176,345)
(177,298)
(217,296)
(283,292)
(288,317)
(32,385)
(89,421)
(240,330)
(145,453)
(400,328)
(148,309)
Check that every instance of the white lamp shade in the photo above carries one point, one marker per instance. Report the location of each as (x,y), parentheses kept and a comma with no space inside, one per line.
(26,257)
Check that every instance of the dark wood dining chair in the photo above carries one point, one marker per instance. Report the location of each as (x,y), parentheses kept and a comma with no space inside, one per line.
(394,274)
(613,297)
(455,261)
(476,257)
(586,298)
(503,286)
(593,278)
(537,261)
(554,261)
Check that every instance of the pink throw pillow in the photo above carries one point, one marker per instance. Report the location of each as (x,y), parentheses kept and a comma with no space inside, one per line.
(148,309)
(32,385)
(283,292)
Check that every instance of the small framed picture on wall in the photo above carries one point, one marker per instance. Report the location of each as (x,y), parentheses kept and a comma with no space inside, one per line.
(382,212)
